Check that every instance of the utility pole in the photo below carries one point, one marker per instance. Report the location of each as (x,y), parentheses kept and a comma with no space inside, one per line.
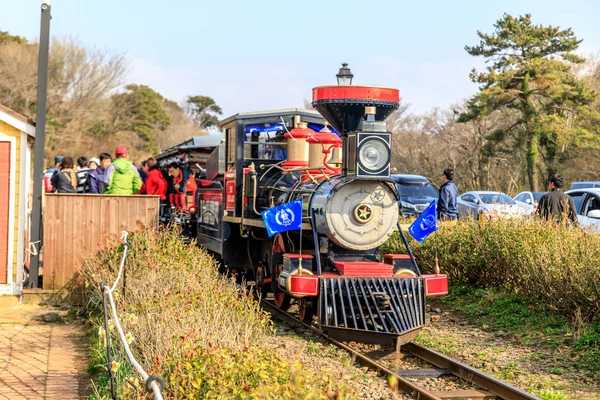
(40,141)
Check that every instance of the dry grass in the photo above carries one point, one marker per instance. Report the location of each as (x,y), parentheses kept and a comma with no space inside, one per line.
(172,293)
(195,328)
(554,264)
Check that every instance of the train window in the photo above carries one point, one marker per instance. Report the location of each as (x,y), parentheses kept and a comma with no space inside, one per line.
(231,143)
(265,146)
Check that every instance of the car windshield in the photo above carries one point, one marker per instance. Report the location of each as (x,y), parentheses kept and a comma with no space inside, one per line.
(538,195)
(416,190)
(496,198)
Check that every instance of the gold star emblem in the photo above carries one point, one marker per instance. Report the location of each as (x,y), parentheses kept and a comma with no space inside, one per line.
(363,213)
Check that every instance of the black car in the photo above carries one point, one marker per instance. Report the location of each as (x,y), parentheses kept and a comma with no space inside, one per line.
(416,193)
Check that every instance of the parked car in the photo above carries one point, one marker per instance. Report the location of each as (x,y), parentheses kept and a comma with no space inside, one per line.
(491,205)
(584,185)
(416,193)
(528,201)
(587,204)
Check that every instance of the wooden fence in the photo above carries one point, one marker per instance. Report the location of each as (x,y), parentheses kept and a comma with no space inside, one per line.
(76,226)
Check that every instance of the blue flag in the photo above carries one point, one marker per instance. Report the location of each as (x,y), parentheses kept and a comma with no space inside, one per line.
(425,225)
(285,217)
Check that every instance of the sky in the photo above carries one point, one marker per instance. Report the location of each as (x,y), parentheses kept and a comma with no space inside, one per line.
(258,55)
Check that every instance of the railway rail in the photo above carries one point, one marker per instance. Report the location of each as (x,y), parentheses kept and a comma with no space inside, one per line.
(492,388)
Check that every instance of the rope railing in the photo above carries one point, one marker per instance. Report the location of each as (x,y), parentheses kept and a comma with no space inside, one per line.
(154,383)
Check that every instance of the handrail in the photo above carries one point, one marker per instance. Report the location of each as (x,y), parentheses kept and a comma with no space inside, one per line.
(154,383)
(124,235)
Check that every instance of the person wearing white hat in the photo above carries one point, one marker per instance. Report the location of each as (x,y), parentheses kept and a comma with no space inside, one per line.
(93,163)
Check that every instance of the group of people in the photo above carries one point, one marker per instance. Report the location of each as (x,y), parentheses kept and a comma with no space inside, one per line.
(105,175)
(553,205)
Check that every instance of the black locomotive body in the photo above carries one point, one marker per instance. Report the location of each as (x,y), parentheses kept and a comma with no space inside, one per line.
(339,166)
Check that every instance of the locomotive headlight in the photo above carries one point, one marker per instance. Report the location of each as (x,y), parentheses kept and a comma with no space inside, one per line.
(373,155)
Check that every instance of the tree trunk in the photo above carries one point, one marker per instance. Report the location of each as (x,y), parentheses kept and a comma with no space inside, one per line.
(532,160)
(533,137)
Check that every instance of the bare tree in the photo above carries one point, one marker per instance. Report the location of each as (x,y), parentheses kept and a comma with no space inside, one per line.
(79,84)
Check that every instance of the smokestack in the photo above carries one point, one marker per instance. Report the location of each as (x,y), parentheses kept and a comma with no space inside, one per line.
(344,106)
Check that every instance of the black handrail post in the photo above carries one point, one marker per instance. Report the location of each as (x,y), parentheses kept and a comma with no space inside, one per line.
(316,240)
(107,330)
(40,142)
(412,257)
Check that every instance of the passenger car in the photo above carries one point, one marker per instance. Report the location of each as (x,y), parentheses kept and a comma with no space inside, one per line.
(490,205)
(528,201)
(416,193)
(584,185)
(587,204)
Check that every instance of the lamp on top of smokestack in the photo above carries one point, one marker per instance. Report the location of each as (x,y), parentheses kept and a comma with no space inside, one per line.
(344,76)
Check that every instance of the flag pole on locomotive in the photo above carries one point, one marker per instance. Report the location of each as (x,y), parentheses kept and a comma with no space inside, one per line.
(282,218)
(425,225)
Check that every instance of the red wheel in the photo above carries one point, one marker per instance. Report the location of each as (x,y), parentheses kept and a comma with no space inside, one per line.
(282,300)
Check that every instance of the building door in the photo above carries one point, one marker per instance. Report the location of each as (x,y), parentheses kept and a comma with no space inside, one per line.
(4,207)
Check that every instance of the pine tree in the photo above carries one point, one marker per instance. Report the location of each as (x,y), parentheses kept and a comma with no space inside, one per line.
(530,78)
(140,111)
(203,110)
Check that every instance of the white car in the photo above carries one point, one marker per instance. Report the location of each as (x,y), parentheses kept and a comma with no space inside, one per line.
(528,201)
(587,204)
(488,205)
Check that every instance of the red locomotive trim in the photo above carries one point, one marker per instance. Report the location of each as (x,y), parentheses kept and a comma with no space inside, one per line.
(230,192)
(212,196)
(317,173)
(325,138)
(364,269)
(294,164)
(296,255)
(396,256)
(435,285)
(299,133)
(356,93)
(304,285)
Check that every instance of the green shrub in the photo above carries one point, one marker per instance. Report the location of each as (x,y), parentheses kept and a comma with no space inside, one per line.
(554,264)
(589,345)
(187,323)
(225,374)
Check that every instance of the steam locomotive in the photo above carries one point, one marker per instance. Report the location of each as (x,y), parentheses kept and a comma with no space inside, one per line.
(337,161)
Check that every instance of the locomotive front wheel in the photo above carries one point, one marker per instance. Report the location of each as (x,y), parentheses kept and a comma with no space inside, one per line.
(306,309)
(282,300)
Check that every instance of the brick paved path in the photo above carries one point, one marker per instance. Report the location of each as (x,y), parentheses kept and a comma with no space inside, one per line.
(39,360)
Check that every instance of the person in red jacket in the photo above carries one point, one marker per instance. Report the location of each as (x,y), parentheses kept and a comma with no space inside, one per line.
(155,183)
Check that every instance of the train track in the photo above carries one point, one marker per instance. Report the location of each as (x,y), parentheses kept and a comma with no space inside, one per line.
(444,365)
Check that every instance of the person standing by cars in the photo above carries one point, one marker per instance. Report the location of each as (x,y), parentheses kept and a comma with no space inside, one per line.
(554,204)
(446,206)
(65,180)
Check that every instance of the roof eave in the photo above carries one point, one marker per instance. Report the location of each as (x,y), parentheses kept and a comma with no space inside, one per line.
(17,120)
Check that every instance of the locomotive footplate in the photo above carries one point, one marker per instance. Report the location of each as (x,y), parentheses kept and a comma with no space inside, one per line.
(376,310)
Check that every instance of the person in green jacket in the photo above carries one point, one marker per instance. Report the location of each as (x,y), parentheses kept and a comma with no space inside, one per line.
(122,177)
